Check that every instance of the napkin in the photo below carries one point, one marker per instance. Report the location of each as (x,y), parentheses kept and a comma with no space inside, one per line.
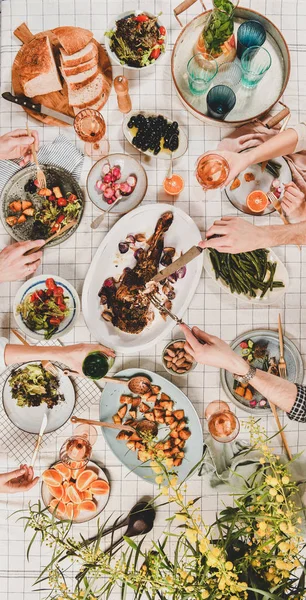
(61,152)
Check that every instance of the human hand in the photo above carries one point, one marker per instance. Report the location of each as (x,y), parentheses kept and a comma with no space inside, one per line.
(293,202)
(15,265)
(236,235)
(212,351)
(74,356)
(16,144)
(238,161)
(20,480)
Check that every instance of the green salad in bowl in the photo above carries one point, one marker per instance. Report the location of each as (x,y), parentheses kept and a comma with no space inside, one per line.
(32,385)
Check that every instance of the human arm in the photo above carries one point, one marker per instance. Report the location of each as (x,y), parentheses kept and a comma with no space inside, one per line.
(216,353)
(16,144)
(20,480)
(238,235)
(15,265)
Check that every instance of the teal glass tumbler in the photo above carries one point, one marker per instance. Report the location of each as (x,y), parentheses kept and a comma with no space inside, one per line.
(201,71)
(255,62)
(220,101)
(250,33)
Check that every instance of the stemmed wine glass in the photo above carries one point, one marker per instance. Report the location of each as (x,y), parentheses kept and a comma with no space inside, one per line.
(223,425)
(77,450)
(90,126)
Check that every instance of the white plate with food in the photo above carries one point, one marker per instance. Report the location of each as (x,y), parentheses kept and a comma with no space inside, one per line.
(129,323)
(180,413)
(117,175)
(242,271)
(86,497)
(260,347)
(136,40)
(257,177)
(155,134)
(46,307)
(30,392)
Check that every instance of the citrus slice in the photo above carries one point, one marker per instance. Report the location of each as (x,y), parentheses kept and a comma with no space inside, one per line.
(52,477)
(63,470)
(69,511)
(73,494)
(76,511)
(88,505)
(65,498)
(57,507)
(85,479)
(99,487)
(257,201)
(76,472)
(86,495)
(57,492)
(173,185)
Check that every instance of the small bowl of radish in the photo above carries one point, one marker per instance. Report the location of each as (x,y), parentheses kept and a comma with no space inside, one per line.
(119,180)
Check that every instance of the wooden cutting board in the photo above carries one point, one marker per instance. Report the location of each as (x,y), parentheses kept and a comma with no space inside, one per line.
(56,100)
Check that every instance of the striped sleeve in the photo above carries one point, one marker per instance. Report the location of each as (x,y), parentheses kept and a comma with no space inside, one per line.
(298,411)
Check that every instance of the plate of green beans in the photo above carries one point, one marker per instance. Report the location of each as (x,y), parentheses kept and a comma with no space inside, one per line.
(258,277)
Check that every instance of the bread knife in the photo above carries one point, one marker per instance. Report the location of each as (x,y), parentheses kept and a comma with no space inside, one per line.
(38,108)
(178,264)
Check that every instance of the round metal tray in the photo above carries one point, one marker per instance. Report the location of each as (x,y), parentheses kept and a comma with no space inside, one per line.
(251,104)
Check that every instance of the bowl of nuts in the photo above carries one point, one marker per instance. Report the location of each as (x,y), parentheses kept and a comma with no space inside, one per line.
(175,358)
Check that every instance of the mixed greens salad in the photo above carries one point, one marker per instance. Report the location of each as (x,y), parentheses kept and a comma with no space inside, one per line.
(45,309)
(137,40)
(32,385)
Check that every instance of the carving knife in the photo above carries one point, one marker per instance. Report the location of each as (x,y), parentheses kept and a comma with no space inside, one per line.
(177,264)
(38,108)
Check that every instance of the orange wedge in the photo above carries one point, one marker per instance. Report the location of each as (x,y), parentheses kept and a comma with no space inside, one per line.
(69,511)
(52,477)
(85,479)
(65,497)
(99,487)
(88,505)
(57,492)
(73,494)
(76,511)
(257,201)
(63,470)
(173,185)
(58,508)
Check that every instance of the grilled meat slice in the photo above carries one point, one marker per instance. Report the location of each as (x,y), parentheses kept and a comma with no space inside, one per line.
(130,307)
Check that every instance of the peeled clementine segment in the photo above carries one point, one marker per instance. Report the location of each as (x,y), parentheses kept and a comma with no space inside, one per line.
(99,487)
(69,511)
(57,492)
(57,507)
(76,472)
(86,495)
(73,494)
(65,497)
(88,505)
(52,477)
(63,470)
(85,479)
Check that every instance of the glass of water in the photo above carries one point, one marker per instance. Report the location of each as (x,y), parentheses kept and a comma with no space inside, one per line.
(201,71)
(220,101)
(255,62)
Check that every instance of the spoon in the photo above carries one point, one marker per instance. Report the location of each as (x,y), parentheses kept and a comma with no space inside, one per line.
(56,234)
(100,218)
(139,521)
(74,419)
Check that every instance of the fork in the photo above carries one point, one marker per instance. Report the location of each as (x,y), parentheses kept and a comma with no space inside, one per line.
(39,174)
(282,367)
(161,308)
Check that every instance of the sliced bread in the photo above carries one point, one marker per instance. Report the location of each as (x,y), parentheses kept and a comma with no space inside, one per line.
(38,72)
(90,51)
(88,94)
(75,82)
(67,71)
(73,39)
(96,106)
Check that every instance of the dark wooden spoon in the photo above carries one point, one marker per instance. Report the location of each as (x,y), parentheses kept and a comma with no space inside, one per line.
(139,521)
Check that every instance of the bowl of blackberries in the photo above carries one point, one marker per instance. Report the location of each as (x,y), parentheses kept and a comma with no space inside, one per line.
(155,135)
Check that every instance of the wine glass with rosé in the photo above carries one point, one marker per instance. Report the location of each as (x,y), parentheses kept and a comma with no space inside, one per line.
(90,126)
(212,171)
(223,425)
(77,450)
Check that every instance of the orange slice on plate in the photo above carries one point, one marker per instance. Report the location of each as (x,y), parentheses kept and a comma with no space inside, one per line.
(99,487)
(57,507)
(63,470)
(69,511)
(85,479)
(87,505)
(73,494)
(257,201)
(57,492)
(52,477)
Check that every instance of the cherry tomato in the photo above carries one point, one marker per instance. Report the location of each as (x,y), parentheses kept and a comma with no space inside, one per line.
(52,198)
(34,297)
(161,41)
(155,53)
(162,30)
(142,18)
(60,218)
(49,293)
(62,202)
(72,198)
(50,284)
(54,321)
(53,229)
(58,291)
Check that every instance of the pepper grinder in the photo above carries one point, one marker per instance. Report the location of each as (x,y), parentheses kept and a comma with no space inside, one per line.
(121,86)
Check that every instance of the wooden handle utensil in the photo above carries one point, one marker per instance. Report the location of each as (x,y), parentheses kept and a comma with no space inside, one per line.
(56,234)
(102,424)
(121,86)
(282,433)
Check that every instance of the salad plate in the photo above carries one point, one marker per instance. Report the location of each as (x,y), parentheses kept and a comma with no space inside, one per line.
(128,166)
(101,500)
(42,217)
(122,51)
(164,154)
(281,274)
(194,446)
(29,418)
(268,339)
(108,262)
(42,314)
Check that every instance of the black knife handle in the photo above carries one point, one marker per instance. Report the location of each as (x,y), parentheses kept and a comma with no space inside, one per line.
(22,101)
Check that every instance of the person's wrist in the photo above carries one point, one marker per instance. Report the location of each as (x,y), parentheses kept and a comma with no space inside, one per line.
(239,366)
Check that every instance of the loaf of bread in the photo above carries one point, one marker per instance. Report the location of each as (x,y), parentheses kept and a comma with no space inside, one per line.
(85,54)
(38,71)
(88,94)
(73,39)
(75,82)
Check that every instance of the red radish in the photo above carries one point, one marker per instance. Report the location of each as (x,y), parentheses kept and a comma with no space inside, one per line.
(114,198)
(99,184)
(106,169)
(108,192)
(104,186)
(118,194)
(109,201)
(125,188)
(117,172)
(107,178)
(131,180)
(116,186)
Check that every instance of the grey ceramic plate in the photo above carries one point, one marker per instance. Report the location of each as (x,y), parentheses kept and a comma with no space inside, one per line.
(109,404)
(14,190)
(262,181)
(295,368)
(128,166)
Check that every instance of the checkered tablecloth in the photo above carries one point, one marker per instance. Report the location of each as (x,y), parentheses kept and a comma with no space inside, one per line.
(210,308)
